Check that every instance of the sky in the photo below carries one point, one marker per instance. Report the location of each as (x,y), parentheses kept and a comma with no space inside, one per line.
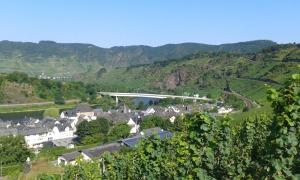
(108,23)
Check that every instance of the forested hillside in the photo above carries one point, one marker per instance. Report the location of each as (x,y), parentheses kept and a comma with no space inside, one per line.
(209,73)
(20,88)
(71,59)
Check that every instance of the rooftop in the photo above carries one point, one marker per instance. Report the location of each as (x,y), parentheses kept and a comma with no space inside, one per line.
(133,141)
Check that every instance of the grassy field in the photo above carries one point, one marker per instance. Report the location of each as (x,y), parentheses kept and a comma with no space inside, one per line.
(40,167)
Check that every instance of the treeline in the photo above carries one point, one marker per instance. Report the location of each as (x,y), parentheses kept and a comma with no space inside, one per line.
(204,148)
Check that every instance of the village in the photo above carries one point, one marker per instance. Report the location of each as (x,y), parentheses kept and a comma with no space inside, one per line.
(61,131)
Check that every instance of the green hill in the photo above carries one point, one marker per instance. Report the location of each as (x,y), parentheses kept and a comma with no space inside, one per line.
(71,59)
(208,73)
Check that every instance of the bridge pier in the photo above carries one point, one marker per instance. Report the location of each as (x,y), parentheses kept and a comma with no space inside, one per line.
(117,100)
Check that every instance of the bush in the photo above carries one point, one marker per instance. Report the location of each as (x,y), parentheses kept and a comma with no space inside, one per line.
(93,139)
(155,121)
(58,98)
(119,131)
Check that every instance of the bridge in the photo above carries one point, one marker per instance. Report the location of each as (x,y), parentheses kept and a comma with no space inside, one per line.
(155,96)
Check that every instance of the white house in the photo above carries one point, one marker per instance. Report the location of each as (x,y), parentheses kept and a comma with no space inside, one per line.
(149,111)
(47,130)
(134,129)
(131,122)
(224,110)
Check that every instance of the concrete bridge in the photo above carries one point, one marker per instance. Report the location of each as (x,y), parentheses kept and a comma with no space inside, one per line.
(155,96)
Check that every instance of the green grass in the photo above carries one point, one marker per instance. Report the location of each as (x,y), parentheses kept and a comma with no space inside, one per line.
(240,117)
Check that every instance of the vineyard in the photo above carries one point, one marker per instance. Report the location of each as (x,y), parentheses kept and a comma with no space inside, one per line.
(204,148)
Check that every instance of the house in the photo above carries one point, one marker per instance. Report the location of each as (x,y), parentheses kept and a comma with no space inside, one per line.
(133,123)
(87,154)
(149,111)
(38,132)
(224,110)
(68,158)
(123,108)
(96,152)
(82,109)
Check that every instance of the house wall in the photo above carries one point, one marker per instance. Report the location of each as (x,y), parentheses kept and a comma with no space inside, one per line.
(62,161)
(90,114)
(34,141)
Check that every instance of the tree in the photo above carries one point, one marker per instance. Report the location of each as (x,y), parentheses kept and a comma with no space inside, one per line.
(18,77)
(13,150)
(155,121)
(119,131)
(94,129)
(58,98)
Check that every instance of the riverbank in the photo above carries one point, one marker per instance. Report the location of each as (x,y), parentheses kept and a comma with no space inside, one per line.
(9,108)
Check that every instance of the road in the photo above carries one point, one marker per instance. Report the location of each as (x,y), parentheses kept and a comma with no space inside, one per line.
(36,104)
(157,96)
(248,102)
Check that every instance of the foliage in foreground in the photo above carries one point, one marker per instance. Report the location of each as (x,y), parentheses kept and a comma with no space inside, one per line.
(261,148)
(13,154)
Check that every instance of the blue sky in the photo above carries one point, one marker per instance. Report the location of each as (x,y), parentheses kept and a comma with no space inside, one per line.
(109,23)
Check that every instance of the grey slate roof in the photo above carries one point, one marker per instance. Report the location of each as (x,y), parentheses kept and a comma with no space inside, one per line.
(30,126)
(26,131)
(83,107)
(93,152)
(71,156)
(97,151)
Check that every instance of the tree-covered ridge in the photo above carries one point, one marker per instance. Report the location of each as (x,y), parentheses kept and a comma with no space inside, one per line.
(209,73)
(75,58)
(18,87)
(204,148)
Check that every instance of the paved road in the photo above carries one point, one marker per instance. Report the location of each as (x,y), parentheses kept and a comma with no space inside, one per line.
(36,104)
(158,96)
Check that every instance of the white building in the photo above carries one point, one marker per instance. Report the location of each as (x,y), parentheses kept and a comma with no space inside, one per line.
(224,110)
(36,137)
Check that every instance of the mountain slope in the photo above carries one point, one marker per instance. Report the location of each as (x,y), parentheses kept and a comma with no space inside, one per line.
(68,59)
(209,73)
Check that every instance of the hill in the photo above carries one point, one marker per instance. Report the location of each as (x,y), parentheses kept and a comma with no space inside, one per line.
(71,59)
(209,73)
